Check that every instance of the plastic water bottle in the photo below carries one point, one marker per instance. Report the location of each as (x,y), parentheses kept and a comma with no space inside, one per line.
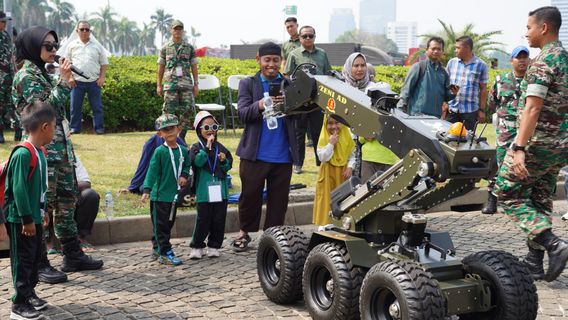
(109,205)
(271,121)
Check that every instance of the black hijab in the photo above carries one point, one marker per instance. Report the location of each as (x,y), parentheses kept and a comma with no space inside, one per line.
(28,45)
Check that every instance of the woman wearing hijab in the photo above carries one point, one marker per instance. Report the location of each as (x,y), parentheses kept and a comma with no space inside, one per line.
(375,157)
(37,46)
(336,152)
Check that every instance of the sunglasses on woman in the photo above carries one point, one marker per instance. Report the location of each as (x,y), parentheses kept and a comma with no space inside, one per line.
(207,127)
(51,46)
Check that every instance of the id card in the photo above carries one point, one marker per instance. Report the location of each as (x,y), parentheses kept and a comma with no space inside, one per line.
(214,190)
(179,71)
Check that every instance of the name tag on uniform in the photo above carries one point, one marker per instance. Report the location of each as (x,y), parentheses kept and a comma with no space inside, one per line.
(179,71)
(214,190)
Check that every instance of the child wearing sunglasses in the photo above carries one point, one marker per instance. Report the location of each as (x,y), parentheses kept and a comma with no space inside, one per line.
(210,162)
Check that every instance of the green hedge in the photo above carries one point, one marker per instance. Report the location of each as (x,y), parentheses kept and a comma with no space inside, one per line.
(131,102)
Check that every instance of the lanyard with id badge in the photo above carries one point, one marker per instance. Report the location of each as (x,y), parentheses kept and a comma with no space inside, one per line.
(43,175)
(177,174)
(214,186)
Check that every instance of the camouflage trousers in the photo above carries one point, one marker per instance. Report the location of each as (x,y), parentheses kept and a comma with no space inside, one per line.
(179,102)
(528,202)
(500,156)
(62,194)
(8,117)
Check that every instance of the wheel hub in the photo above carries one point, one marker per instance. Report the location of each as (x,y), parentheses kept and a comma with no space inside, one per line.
(277,264)
(329,286)
(394,310)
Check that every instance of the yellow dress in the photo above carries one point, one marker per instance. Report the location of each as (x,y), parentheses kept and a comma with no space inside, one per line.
(329,178)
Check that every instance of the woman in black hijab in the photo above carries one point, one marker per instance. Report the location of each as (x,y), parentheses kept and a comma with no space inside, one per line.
(37,46)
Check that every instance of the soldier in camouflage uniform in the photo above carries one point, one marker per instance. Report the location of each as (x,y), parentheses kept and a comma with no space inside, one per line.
(527,178)
(37,46)
(7,114)
(176,59)
(504,101)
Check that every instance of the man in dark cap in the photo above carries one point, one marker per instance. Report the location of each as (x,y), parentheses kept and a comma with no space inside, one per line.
(266,154)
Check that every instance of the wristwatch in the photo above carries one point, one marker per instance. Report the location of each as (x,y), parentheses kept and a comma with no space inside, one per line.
(516,147)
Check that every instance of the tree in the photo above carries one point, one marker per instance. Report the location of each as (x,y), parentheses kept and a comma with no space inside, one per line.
(162,21)
(126,36)
(29,13)
(371,39)
(146,36)
(482,43)
(194,35)
(105,26)
(62,17)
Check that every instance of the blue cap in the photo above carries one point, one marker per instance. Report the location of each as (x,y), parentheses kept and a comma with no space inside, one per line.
(518,50)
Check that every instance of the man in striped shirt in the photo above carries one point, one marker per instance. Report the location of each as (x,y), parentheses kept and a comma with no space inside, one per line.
(469,73)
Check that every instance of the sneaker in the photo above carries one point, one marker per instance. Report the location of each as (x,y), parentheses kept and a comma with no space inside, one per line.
(213,252)
(37,302)
(170,258)
(53,250)
(155,254)
(196,253)
(24,311)
(297,169)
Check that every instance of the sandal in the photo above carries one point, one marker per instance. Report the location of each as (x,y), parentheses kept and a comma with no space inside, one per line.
(240,243)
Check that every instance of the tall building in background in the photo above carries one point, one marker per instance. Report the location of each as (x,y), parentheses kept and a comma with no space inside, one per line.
(404,34)
(375,14)
(563,7)
(342,20)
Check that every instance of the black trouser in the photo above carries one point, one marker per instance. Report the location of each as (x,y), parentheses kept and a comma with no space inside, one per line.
(468,119)
(162,222)
(86,210)
(253,175)
(315,121)
(210,221)
(25,253)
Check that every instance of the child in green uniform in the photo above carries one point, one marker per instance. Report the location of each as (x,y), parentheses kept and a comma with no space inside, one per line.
(25,205)
(211,161)
(168,172)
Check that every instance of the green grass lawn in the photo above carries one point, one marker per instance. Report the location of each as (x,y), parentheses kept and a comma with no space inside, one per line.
(111,160)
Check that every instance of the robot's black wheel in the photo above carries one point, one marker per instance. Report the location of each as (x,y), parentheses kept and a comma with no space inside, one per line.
(331,283)
(513,293)
(400,290)
(280,259)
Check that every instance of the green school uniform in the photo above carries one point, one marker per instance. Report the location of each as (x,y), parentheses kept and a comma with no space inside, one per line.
(160,179)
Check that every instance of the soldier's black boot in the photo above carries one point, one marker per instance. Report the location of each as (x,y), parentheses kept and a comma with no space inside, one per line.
(74,259)
(534,262)
(46,273)
(491,205)
(2,140)
(18,135)
(557,250)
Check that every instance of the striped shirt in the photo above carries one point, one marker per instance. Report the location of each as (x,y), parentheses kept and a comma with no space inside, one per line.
(468,77)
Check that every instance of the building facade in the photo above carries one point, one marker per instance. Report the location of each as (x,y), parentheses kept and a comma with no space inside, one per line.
(404,34)
(562,5)
(375,14)
(342,20)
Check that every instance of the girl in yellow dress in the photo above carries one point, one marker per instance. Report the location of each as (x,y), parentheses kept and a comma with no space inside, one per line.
(336,153)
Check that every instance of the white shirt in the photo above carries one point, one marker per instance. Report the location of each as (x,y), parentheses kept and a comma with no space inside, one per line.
(80,171)
(325,154)
(89,57)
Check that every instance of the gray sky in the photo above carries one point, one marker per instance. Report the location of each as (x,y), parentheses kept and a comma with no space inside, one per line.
(229,21)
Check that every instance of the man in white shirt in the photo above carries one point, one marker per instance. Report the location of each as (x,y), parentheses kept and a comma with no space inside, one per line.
(90,57)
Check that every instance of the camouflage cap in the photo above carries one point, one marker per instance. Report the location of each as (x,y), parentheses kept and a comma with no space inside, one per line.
(3,17)
(177,23)
(166,120)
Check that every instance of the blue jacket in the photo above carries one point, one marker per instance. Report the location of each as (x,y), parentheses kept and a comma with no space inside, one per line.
(252,118)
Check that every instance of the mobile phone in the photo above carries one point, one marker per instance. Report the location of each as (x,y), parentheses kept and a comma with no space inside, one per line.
(454,87)
(274,90)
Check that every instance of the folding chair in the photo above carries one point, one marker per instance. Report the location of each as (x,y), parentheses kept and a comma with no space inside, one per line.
(233,84)
(210,82)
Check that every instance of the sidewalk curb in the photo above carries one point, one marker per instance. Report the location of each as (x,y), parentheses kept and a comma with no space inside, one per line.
(139,228)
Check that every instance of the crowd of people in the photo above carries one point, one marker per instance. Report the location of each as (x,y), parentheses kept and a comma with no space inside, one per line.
(43,183)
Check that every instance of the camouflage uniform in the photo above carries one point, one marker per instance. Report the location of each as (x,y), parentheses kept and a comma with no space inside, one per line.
(31,85)
(7,114)
(504,100)
(178,94)
(528,202)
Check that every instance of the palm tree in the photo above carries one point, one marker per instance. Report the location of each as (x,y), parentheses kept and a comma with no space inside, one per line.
(147,36)
(105,26)
(162,21)
(194,35)
(62,17)
(482,43)
(126,36)
(29,13)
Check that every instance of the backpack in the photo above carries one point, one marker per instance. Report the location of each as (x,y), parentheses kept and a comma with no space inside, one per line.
(4,169)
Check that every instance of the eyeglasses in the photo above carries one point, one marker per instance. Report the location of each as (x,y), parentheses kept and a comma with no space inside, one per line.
(308,36)
(84,29)
(51,46)
(207,127)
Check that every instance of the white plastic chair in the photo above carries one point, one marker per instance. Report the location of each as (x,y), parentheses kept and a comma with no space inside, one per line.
(210,82)
(233,84)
